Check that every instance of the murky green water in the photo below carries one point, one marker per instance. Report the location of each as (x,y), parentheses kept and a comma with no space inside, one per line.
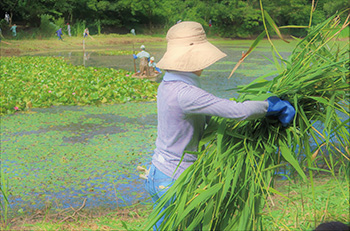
(214,79)
(58,156)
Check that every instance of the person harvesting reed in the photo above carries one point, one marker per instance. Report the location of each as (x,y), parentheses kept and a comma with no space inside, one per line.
(184,108)
(227,185)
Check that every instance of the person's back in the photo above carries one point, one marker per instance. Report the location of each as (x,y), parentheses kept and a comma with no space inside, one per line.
(143,54)
(144,66)
(177,130)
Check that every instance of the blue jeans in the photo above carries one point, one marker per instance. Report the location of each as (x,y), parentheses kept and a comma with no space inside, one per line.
(156,185)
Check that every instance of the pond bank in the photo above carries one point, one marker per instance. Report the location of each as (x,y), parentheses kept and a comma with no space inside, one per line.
(286,211)
(28,47)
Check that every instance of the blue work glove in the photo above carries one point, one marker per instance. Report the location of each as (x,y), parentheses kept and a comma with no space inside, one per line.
(280,108)
(157,69)
(135,57)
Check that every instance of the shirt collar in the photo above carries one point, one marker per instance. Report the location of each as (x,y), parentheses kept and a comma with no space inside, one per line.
(187,77)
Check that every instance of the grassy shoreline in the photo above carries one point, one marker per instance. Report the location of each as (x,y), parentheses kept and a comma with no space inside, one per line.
(29,46)
(294,213)
(14,47)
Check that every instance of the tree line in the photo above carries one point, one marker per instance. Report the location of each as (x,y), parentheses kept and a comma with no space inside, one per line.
(229,18)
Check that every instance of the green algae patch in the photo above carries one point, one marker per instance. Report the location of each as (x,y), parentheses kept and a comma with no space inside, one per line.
(37,82)
(61,155)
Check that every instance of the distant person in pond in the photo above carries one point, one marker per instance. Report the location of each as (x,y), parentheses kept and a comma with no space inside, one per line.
(86,32)
(59,34)
(7,17)
(143,53)
(153,69)
(13,29)
(69,30)
(184,108)
(144,56)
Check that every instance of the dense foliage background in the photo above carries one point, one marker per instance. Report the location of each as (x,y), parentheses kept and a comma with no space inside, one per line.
(230,18)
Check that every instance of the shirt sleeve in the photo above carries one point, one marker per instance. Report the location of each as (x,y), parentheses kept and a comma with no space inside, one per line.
(194,100)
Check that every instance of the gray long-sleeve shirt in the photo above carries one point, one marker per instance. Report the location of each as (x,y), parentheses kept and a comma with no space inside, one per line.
(182,110)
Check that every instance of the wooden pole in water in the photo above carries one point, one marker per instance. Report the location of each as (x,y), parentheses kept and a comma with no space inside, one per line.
(84,52)
(147,71)
(133,51)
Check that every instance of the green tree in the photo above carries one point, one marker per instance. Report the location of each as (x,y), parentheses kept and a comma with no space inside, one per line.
(230,18)
(236,18)
(331,7)
(30,11)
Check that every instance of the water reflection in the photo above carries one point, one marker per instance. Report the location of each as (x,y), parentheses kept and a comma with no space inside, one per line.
(214,79)
(86,58)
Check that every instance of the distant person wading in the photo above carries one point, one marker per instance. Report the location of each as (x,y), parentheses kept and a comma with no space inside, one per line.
(144,57)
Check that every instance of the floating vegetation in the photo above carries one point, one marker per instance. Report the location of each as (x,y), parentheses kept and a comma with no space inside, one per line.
(36,82)
(62,155)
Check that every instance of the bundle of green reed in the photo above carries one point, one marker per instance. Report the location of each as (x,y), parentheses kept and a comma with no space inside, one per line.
(227,187)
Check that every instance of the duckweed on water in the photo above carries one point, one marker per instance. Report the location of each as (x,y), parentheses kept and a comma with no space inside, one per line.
(45,81)
(61,155)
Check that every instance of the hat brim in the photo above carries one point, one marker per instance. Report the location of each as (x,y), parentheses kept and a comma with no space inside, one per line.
(190,58)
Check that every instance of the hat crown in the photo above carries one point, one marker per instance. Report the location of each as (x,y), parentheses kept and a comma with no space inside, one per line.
(186,33)
(188,49)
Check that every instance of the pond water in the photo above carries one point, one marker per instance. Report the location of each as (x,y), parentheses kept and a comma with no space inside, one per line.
(214,79)
(60,155)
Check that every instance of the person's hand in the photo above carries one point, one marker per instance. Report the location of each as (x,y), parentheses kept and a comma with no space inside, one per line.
(135,57)
(280,108)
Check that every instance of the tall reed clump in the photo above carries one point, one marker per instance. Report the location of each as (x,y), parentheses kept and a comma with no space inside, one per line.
(227,187)
(98,26)
(47,27)
(78,28)
(59,22)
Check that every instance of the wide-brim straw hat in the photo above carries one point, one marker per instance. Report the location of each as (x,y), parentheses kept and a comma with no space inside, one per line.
(188,49)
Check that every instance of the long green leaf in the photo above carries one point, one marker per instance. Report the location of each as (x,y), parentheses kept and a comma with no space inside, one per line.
(288,156)
(274,26)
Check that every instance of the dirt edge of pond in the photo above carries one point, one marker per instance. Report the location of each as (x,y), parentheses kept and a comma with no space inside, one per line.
(65,217)
(23,47)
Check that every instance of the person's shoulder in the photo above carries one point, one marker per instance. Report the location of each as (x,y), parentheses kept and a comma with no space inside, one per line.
(187,90)
(188,95)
